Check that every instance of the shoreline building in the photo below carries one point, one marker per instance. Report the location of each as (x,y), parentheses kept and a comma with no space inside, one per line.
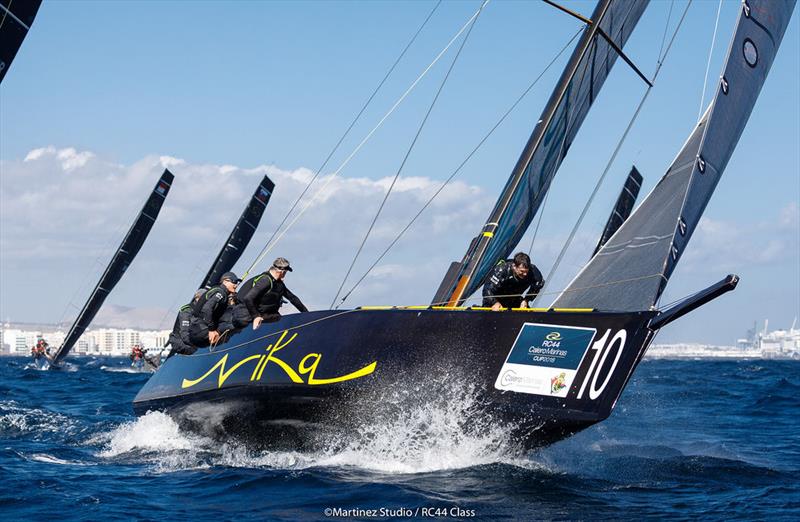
(18,339)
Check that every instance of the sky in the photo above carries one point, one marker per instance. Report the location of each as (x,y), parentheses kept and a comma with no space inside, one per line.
(103,96)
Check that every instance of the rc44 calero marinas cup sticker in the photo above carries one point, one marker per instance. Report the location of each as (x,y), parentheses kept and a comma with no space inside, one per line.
(544,359)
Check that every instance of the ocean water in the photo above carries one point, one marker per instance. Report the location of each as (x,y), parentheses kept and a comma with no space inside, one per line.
(689,439)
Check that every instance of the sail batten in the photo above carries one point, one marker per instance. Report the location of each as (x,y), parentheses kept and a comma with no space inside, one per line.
(630,274)
(576,90)
(122,259)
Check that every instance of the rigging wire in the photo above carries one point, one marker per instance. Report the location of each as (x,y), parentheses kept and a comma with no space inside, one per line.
(407,155)
(364,141)
(666,28)
(464,162)
(347,131)
(708,64)
(616,149)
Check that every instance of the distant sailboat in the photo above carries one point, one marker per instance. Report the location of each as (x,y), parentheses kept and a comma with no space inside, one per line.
(123,257)
(16,18)
(241,234)
(623,207)
(544,373)
(234,246)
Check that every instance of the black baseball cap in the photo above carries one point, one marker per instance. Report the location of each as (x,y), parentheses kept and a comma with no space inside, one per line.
(282,263)
(230,276)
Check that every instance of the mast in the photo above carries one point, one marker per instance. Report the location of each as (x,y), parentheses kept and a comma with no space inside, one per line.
(241,233)
(16,18)
(622,209)
(123,257)
(588,67)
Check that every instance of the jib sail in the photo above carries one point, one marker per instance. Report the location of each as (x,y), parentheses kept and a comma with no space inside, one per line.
(631,270)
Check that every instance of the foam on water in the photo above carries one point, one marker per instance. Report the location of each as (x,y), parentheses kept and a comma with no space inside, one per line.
(16,420)
(153,432)
(50,459)
(433,426)
(420,430)
(122,369)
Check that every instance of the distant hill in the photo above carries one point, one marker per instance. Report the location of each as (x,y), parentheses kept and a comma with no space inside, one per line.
(114,316)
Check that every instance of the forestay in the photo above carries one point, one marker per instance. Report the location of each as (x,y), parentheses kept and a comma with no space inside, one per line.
(630,271)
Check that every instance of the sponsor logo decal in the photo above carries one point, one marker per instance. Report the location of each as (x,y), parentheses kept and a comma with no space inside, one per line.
(553,336)
(304,373)
(557,382)
(544,359)
(262,194)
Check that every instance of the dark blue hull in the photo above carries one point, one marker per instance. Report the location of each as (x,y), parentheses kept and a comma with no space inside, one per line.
(544,374)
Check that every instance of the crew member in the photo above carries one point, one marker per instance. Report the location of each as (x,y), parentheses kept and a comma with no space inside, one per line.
(179,337)
(136,353)
(263,295)
(206,325)
(509,280)
(40,349)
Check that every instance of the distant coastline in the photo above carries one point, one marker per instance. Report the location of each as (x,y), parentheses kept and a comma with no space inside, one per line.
(17,339)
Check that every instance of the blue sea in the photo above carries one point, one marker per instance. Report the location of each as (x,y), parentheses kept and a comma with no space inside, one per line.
(689,439)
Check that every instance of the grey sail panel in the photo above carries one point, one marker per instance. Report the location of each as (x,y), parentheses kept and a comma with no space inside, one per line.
(631,270)
(241,233)
(627,272)
(123,257)
(16,18)
(576,90)
(623,207)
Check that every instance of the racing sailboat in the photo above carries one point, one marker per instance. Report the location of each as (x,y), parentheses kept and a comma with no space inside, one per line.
(545,373)
(622,208)
(241,234)
(122,259)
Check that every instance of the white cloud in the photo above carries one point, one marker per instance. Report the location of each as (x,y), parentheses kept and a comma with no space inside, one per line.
(38,153)
(63,212)
(69,158)
(720,245)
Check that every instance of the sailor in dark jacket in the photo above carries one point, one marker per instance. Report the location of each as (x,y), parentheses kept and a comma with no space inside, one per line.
(508,282)
(206,325)
(179,337)
(263,295)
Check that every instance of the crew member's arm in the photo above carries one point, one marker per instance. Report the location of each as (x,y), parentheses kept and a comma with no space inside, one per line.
(537,282)
(294,300)
(209,307)
(491,288)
